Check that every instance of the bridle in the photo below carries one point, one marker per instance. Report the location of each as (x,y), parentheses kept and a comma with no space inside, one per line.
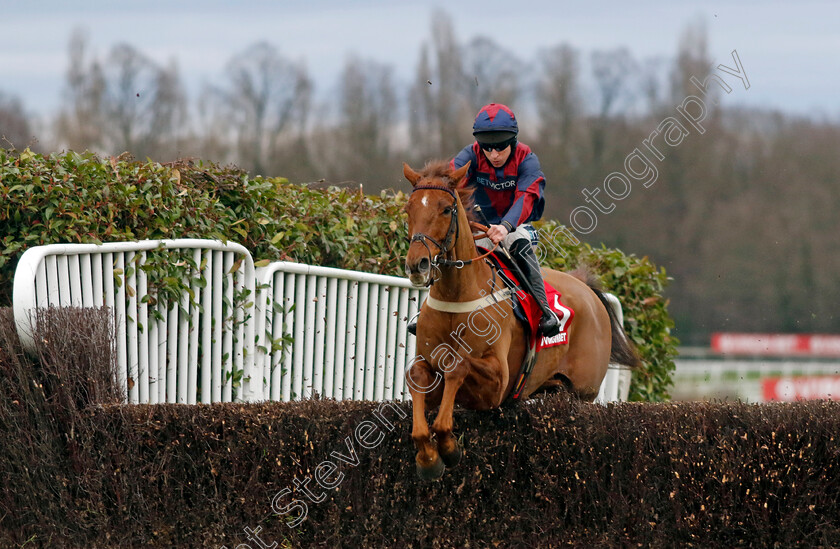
(451,235)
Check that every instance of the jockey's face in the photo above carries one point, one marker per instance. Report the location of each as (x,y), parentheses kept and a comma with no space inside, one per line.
(497,158)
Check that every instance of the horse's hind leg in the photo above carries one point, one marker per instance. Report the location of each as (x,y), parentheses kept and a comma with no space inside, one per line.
(555,384)
(421,383)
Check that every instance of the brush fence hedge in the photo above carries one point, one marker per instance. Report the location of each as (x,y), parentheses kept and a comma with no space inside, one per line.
(197,321)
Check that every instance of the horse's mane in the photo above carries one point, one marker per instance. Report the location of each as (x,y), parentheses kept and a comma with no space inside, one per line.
(440,169)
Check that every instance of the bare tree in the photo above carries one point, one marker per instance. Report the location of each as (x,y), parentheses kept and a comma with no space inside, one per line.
(611,70)
(651,87)
(170,124)
(127,103)
(80,122)
(144,105)
(440,114)
(425,140)
(494,74)
(291,153)
(15,131)
(692,61)
(368,104)
(559,109)
(213,136)
(265,99)
(558,96)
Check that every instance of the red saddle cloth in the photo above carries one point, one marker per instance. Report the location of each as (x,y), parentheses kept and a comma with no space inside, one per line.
(533,313)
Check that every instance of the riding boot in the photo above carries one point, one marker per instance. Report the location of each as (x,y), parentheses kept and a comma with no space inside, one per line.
(523,253)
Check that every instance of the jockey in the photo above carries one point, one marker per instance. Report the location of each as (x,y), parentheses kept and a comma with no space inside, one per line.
(509,190)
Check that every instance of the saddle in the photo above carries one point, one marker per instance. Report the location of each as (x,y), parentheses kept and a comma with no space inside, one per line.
(526,308)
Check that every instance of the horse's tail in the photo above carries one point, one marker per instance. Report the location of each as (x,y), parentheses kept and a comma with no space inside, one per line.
(622,351)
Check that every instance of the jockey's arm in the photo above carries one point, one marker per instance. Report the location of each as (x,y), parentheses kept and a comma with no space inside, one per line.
(528,201)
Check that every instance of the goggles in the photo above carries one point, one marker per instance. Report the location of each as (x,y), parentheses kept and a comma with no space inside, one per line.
(496,146)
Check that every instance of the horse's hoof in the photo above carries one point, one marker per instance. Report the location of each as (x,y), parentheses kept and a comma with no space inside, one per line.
(432,472)
(452,458)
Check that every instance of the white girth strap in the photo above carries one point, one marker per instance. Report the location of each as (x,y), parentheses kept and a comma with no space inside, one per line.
(467,306)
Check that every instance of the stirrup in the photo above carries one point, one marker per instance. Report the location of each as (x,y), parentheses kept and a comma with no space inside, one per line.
(412,324)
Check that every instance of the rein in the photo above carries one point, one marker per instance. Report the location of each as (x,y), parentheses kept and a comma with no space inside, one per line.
(451,235)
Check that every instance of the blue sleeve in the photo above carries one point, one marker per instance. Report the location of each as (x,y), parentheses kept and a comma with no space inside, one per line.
(528,202)
(466,155)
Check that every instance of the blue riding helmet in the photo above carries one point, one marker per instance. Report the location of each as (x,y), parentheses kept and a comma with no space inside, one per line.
(495,123)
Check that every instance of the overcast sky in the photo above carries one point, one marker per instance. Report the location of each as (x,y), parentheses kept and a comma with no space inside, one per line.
(790,50)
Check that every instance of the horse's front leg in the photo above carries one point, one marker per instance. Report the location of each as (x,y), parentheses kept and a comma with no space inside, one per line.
(422,383)
(448,446)
(490,376)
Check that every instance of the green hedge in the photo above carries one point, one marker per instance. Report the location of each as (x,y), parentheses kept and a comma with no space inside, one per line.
(80,470)
(80,197)
(76,197)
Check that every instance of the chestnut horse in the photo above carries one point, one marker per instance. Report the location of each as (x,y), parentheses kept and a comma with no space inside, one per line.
(470,346)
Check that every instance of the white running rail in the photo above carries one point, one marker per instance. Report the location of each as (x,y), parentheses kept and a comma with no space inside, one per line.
(348,330)
(187,352)
(338,333)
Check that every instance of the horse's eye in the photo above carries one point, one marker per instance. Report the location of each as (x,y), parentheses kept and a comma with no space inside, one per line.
(447,210)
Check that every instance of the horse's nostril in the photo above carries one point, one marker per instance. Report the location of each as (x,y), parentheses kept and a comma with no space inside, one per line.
(424,265)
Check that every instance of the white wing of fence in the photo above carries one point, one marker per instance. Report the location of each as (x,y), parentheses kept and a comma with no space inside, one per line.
(348,330)
(183,352)
(616,384)
(338,333)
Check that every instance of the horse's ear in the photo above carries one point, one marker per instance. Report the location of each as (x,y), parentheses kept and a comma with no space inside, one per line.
(459,174)
(410,174)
